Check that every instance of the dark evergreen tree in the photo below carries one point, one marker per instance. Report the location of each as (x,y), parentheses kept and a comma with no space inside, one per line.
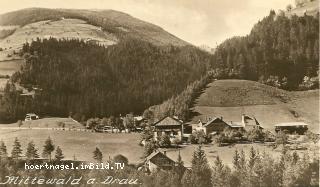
(97,155)
(31,152)
(16,149)
(48,148)
(59,155)
(3,150)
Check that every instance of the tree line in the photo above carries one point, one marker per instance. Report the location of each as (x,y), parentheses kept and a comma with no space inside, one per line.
(279,51)
(254,169)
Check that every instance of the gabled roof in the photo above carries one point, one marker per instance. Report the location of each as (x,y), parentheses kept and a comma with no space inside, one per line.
(213,120)
(158,153)
(168,121)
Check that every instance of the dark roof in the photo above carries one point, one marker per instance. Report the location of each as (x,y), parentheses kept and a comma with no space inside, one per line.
(158,153)
(213,120)
(168,121)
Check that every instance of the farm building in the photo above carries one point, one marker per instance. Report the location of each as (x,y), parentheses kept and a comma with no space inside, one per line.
(292,127)
(212,126)
(158,160)
(217,125)
(171,126)
(247,123)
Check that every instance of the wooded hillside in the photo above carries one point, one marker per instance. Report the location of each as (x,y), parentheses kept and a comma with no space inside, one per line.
(91,80)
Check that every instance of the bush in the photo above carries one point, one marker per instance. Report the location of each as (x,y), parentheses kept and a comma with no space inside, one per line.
(176,141)
(164,141)
(199,137)
(281,138)
(121,159)
(256,134)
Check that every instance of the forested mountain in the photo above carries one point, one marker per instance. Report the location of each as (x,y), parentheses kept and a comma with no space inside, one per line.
(87,79)
(142,70)
(279,50)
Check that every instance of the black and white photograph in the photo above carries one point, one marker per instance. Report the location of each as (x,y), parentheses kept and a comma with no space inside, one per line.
(159,93)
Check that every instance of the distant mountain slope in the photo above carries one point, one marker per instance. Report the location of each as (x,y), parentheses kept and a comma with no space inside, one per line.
(232,98)
(310,8)
(113,22)
(65,28)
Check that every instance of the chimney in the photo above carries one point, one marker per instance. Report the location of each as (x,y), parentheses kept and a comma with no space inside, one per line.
(221,118)
(165,152)
(243,120)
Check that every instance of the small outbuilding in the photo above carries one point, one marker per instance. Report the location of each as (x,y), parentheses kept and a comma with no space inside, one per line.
(292,127)
(158,160)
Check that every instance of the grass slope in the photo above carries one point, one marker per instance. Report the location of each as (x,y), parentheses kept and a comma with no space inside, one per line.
(66,28)
(78,143)
(232,98)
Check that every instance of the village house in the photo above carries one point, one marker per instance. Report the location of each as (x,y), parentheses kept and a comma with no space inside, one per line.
(292,127)
(217,125)
(212,126)
(247,123)
(158,160)
(171,126)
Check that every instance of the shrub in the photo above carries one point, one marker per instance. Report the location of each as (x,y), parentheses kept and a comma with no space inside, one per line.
(281,138)
(199,137)
(164,141)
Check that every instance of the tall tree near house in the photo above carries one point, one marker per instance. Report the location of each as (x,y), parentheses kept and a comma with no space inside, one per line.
(48,148)
(179,169)
(3,150)
(16,150)
(252,158)
(97,155)
(220,173)
(236,160)
(200,170)
(32,152)
(59,155)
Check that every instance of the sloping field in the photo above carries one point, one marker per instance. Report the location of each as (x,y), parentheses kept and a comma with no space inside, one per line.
(78,144)
(232,98)
(46,123)
(64,28)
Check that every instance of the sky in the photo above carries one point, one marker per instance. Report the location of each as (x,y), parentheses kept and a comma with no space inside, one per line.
(200,22)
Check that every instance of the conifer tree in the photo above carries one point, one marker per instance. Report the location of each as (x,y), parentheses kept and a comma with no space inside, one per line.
(220,173)
(180,166)
(16,150)
(59,155)
(236,160)
(48,148)
(97,155)
(32,152)
(3,150)
(200,171)
(252,158)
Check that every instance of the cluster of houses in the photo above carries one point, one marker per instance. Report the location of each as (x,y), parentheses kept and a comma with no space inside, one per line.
(177,129)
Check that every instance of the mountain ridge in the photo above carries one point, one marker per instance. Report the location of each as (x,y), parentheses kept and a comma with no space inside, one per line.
(110,20)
